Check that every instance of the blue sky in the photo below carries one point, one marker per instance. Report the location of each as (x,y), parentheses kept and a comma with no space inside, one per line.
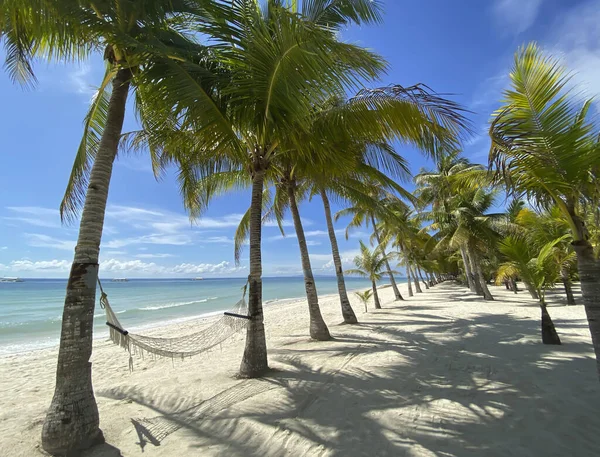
(462,47)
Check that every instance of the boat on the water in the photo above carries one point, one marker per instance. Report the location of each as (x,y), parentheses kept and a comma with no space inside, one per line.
(11,280)
(199,278)
(120,280)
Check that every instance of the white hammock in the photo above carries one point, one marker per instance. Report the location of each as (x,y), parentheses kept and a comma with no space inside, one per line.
(184,346)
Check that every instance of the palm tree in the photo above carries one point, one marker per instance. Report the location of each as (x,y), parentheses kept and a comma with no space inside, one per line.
(539,273)
(551,227)
(271,64)
(364,297)
(464,223)
(134,36)
(365,214)
(437,188)
(369,265)
(544,146)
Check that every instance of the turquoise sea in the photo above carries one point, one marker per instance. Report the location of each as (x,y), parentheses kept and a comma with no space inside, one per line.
(30,311)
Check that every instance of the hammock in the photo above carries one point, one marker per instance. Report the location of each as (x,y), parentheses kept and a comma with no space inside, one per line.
(184,346)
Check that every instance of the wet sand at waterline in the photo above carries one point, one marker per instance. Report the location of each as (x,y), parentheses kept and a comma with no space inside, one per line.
(440,374)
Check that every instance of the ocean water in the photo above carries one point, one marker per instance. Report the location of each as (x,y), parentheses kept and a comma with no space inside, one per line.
(31,311)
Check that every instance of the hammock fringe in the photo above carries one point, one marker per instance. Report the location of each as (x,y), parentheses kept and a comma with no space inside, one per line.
(185,346)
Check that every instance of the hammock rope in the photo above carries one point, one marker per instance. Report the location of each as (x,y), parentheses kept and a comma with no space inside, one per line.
(184,346)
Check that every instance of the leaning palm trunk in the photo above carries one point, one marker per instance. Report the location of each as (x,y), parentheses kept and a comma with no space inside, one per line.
(318,328)
(479,276)
(254,360)
(549,334)
(532,291)
(410,289)
(589,277)
(72,421)
(347,311)
(397,293)
(564,274)
(468,273)
(421,276)
(513,285)
(375,295)
(416,281)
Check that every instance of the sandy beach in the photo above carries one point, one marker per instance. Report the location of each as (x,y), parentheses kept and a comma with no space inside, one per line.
(441,374)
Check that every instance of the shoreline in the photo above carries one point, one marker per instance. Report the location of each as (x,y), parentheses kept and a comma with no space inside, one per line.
(164,327)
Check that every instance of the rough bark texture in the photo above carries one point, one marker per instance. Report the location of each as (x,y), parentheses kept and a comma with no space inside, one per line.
(549,335)
(416,281)
(513,285)
(376,296)
(589,276)
(421,276)
(72,421)
(479,276)
(468,272)
(534,294)
(564,274)
(318,328)
(408,274)
(254,361)
(397,293)
(347,311)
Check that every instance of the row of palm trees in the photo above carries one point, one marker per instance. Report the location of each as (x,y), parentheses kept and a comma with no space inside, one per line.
(233,94)
(544,159)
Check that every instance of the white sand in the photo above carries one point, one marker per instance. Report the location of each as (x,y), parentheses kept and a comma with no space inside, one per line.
(441,374)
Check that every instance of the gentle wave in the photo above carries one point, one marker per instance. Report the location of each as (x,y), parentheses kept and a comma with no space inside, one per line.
(175,305)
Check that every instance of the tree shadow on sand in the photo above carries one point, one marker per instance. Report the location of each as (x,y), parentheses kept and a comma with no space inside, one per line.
(396,387)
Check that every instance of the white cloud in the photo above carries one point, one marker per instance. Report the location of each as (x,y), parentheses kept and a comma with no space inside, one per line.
(79,80)
(157,238)
(3,248)
(576,37)
(220,268)
(488,94)
(325,261)
(516,16)
(112,252)
(44,241)
(44,265)
(307,234)
(154,256)
(313,243)
(134,268)
(36,216)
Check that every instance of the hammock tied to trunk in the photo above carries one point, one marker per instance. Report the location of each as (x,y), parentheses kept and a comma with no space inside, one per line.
(183,346)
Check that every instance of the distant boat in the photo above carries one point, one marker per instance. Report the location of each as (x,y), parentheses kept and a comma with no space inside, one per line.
(11,280)
(199,278)
(120,280)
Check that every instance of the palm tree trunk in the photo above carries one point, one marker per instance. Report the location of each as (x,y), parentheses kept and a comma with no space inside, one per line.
(397,293)
(468,272)
(72,421)
(254,361)
(376,296)
(416,281)
(564,274)
(532,291)
(549,334)
(431,279)
(589,277)
(421,276)
(479,277)
(347,311)
(318,328)
(410,289)
(513,285)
